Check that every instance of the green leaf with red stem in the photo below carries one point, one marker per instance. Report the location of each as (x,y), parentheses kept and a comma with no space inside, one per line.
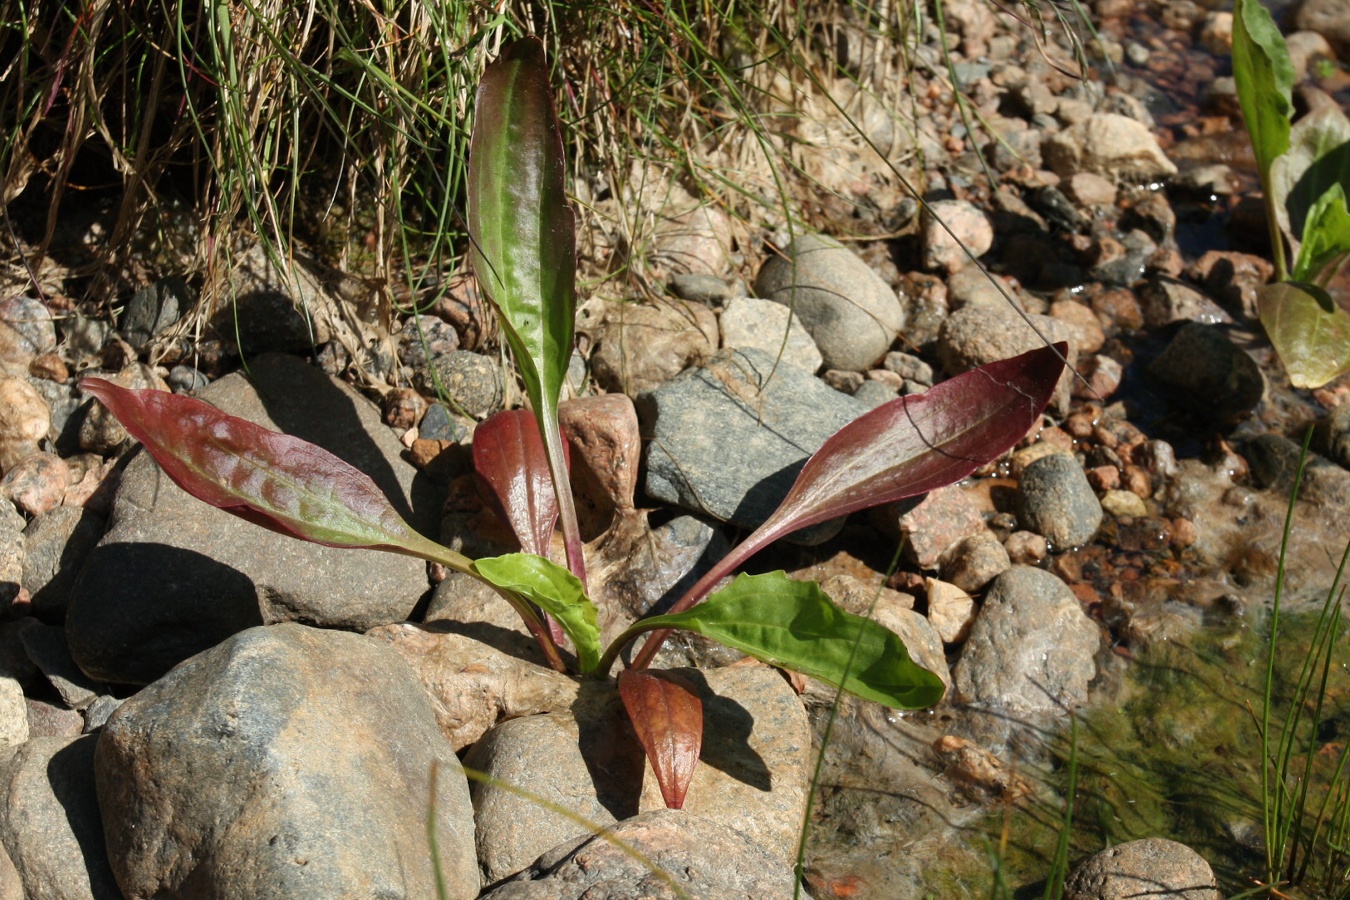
(667,715)
(906,447)
(556,591)
(523,241)
(274,480)
(512,468)
(793,624)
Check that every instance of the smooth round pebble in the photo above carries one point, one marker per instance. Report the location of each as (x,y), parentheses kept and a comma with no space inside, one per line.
(1058,503)
(1152,867)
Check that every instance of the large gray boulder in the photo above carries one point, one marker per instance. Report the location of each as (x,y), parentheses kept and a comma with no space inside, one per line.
(173,576)
(287,762)
(728,438)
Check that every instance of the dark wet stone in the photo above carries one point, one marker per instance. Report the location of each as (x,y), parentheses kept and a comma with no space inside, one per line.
(438,425)
(174,576)
(186,380)
(50,821)
(317,747)
(774,424)
(1210,375)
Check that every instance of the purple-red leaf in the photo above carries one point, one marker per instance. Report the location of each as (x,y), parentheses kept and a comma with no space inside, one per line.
(908,446)
(508,455)
(667,715)
(274,480)
(921,442)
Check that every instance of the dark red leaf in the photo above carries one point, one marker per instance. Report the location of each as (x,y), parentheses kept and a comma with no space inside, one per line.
(668,717)
(508,455)
(274,480)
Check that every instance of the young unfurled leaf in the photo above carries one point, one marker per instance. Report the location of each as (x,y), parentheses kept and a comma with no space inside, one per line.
(523,240)
(1313,344)
(793,624)
(275,480)
(508,455)
(556,591)
(1326,241)
(667,715)
(1265,80)
(1317,161)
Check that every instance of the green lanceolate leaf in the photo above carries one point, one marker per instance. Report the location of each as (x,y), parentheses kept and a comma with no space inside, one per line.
(1318,160)
(1326,241)
(1313,344)
(274,480)
(556,591)
(524,233)
(794,624)
(523,238)
(1265,80)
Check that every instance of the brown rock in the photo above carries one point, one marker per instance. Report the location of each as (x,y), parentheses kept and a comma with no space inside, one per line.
(951,611)
(607,450)
(24,420)
(36,483)
(639,346)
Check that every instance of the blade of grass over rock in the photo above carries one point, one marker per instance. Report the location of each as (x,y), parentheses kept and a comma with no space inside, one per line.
(795,625)
(906,447)
(667,715)
(556,591)
(524,241)
(509,457)
(274,480)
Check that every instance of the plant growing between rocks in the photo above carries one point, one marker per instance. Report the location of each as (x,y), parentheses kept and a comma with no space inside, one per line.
(524,254)
(1305,176)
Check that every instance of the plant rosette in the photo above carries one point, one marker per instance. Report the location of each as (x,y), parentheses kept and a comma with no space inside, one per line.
(524,253)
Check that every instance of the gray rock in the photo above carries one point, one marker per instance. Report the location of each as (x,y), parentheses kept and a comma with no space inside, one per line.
(1110,145)
(46,647)
(700,288)
(154,308)
(692,240)
(638,347)
(774,424)
(1056,501)
(975,561)
(1329,18)
(317,747)
(56,544)
(1209,374)
(753,774)
(50,822)
(977,334)
(470,382)
(32,320)
(909,367)
(952,231)
(703,858)
(850,312)
(1152,867)
(1032,648)
(762,324)
(173,576)
(874,393)
(11,885)
(438,425)
(1274,461)
(186,380)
